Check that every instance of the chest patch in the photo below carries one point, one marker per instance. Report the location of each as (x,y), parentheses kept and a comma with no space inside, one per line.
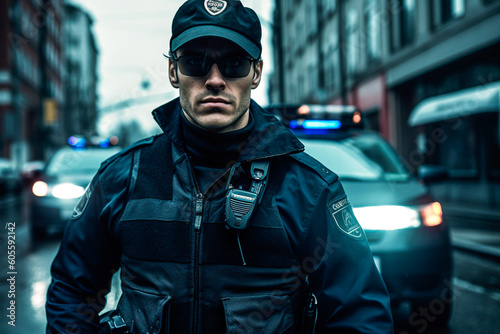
(344,219)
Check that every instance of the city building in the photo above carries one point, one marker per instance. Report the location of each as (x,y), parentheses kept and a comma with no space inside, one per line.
(48,77)
(31,71)
(392,58)
(49,132)
(81,73)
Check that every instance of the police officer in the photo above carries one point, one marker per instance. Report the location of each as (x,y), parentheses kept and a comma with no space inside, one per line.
(221,223)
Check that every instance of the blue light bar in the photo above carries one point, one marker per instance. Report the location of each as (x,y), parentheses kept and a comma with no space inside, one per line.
(105,143)
(77,142)
(316,124)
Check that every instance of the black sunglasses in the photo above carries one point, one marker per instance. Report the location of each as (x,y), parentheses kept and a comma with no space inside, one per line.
(199,66)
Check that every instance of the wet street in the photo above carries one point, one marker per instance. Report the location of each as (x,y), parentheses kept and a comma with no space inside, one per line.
(476,283)
(476,308)
(32,280)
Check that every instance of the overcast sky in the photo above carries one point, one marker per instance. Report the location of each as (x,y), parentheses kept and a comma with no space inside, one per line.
(132,37)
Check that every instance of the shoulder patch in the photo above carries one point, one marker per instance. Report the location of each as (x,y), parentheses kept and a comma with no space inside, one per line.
(140,143)
(317,166)
(82,202)
(344,219)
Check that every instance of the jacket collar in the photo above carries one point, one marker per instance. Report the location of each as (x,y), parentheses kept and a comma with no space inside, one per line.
(268,138)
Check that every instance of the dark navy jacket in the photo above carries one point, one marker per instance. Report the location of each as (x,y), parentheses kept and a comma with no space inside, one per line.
(182,270)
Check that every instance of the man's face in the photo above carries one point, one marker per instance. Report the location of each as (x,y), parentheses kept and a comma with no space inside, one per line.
(214,102)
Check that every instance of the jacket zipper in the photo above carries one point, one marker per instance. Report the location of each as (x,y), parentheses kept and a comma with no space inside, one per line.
(197,229)
(197,236)
(197,232)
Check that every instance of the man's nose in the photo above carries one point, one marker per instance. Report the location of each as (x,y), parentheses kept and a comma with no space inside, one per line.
(215,80)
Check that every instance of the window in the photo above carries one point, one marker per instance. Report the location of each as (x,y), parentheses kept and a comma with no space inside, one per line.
(353,47)
(452,9)
(403,20)
(28,30)
(313,78)
(331,69)
(362,157)
(287,8)
(311,20)
(407,24)
(299,38)
(300,88)
(330,50)
(328,6)
(458,153)
(443,11)
(373,30)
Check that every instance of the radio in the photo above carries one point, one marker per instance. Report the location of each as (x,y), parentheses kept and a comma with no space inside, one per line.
(240,204)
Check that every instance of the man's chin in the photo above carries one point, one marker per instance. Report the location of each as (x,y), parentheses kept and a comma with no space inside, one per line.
(216,127)
(219,125)
(219,121)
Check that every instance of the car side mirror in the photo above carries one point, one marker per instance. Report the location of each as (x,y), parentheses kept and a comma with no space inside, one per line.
(432,173)
(31,175)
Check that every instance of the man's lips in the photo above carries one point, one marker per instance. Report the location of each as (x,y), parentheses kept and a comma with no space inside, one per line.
(215,100)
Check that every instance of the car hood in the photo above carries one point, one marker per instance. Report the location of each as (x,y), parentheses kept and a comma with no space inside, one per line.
(80,180)
(372,193)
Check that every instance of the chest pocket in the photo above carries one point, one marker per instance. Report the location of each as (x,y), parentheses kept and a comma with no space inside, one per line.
(258,314)
(264,243)
(145,313)
(155,230)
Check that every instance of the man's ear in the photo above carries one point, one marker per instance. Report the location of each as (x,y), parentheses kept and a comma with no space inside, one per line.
(172,74)
(257,76)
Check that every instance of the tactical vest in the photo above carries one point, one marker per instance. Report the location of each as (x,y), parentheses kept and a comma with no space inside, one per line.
(182,270)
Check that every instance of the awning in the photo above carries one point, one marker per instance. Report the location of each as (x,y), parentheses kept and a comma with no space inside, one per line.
(480,99)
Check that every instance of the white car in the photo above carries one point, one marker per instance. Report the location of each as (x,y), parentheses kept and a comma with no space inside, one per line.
(59,186)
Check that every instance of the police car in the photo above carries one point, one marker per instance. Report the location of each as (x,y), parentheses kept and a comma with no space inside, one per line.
(57,188)
(404,225)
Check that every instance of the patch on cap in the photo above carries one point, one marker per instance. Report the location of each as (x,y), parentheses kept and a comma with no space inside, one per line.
(215,7)
(344,219)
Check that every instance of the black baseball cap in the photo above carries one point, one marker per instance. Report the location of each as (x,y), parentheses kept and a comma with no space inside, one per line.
(227,19)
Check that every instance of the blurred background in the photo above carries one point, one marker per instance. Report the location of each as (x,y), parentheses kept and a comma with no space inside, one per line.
(425,75)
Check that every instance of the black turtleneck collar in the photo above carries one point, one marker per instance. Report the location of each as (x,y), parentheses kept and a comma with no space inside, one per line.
(268,138)
(213,149)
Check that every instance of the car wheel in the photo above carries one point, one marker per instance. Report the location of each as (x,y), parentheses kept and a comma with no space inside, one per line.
(436,312)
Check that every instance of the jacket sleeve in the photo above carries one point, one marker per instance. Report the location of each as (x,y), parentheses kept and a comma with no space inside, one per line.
(87,258)
(334,252)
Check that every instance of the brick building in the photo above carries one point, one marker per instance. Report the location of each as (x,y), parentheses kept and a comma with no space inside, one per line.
(31,71)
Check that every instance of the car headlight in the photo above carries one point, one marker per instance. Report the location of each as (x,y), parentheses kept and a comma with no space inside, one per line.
(387,217)
(67,191)
(395,217)
(40,189)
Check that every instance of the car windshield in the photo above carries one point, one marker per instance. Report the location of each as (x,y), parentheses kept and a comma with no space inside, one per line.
(74,162)
(365,157)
